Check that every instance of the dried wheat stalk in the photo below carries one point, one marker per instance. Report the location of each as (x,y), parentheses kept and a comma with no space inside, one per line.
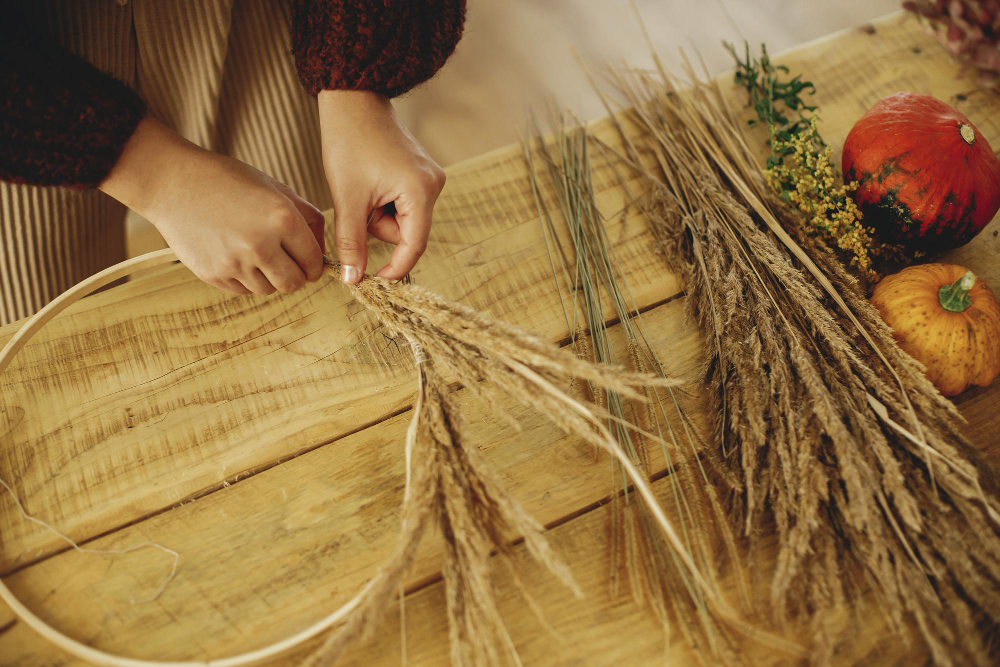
(447,479)
(594,277)
(825,425)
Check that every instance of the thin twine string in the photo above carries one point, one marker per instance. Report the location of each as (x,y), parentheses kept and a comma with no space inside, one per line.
(55,531)
(419,356)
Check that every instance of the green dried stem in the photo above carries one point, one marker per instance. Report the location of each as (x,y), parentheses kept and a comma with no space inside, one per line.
(777,103)
(591,272)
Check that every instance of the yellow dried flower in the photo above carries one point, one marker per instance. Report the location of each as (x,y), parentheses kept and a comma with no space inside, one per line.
(803,175)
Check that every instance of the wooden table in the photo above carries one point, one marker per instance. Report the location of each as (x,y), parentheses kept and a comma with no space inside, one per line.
(261,437)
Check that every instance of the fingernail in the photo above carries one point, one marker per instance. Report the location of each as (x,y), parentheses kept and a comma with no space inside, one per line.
(349,274)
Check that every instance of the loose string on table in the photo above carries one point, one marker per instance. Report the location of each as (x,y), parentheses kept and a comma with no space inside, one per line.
(63,536)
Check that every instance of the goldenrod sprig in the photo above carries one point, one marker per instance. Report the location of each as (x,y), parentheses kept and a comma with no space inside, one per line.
(799,169)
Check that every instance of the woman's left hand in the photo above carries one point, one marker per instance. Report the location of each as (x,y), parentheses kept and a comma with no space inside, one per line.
(371,160)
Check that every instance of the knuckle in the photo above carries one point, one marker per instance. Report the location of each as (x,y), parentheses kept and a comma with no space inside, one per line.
(348,244)
(315,217)
(431,175)
(427,179)
(229,266)
(260,249)
(284,219)
(289,286)
(439,176)
(257,246)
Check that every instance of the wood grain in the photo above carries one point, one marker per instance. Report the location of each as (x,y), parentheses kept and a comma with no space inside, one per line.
(149,394)
(153,394)
(306,534)
(604,629)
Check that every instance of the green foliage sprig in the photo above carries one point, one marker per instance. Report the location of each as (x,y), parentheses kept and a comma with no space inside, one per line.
(762,79)
(799,169)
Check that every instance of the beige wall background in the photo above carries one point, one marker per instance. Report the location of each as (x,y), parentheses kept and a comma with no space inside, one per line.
(523,54)
(518,54)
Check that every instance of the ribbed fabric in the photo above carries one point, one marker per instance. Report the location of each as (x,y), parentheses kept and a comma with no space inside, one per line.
(266,118)
(217,71)
(388,46)
(52,238)
(181,54)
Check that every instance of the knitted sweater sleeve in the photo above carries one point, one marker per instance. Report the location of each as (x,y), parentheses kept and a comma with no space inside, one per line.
(386,46)
(62,120)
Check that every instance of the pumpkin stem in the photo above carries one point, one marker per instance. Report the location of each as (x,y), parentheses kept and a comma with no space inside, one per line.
(967,133)
(955,297)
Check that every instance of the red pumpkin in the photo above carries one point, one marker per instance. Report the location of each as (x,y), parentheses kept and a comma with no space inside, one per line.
(928,179)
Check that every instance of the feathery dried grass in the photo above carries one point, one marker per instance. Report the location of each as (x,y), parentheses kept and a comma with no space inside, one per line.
(593,277)
(447,479)
(824,425)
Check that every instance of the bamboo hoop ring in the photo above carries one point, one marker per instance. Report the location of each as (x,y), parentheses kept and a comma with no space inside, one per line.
(68,644)
(98,657)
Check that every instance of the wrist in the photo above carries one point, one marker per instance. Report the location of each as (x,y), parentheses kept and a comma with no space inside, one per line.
(341,108)
(351,99)
(150,155)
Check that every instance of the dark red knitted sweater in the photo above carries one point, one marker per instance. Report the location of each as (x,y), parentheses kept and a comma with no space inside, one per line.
(64,122)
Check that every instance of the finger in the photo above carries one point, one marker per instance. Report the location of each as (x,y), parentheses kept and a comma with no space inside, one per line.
(314,218)
(283,272)
(230,285)
(312,215)
(414,220)
(257,283)
(351,228)
(385,228)
(237,287)
(301,245)
(317,228)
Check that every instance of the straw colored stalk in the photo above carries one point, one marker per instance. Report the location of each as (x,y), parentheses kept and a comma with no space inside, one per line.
(591,273)
(447,478)
(824,424)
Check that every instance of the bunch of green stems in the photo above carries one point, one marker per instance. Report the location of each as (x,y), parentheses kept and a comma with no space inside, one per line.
(590,276)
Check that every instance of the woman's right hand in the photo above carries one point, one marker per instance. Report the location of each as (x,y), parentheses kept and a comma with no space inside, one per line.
(232,225)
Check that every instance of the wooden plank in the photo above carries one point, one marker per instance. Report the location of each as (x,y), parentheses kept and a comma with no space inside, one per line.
(602,629)
(599,629)
(204,387)
(302,536)
(226,603)
(153,392)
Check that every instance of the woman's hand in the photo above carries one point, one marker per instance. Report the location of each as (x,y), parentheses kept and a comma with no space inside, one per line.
(372,160)
(232,225)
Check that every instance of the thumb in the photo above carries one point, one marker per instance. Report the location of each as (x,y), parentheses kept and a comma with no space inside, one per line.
(351,230)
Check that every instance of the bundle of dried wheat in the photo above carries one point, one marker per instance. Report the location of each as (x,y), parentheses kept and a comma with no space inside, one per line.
(448,479)
(824,424)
